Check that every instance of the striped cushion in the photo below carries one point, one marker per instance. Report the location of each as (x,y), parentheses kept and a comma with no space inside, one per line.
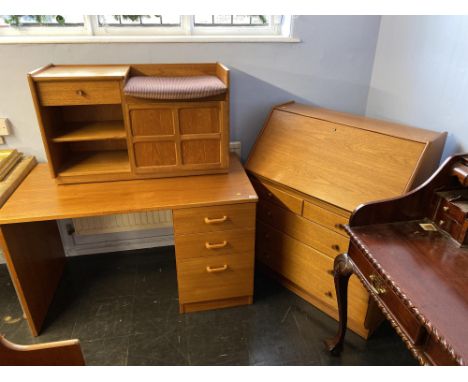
(174,87)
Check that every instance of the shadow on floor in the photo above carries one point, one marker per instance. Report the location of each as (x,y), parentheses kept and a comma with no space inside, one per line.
(123,307)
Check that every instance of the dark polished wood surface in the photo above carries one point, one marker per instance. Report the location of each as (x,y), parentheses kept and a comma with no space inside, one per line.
(430,269)
(413,266)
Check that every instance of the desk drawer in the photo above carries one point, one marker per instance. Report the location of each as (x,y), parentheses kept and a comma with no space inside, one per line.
(309,269)
(62,93)
(324,217)
(215,278)
(310,233)
(215,218)
(407,321)
(229,242)
(272,194)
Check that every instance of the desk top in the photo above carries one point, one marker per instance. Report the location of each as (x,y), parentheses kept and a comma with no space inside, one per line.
(429,268)
(39,198)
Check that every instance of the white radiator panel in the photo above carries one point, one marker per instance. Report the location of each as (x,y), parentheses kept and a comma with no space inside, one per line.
(122,222)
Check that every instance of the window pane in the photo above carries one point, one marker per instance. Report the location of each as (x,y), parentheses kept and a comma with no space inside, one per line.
(41,20)
(138,20)
(231,20)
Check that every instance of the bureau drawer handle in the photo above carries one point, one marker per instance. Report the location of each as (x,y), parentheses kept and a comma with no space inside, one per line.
(329,294)
(215,221)
(80,93)
(336,247)
(218,269)
(339,226)
(215,245)
(377,284)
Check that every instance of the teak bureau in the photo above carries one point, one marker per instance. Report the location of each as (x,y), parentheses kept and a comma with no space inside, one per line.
(94,129)
(311,168)
(214,230)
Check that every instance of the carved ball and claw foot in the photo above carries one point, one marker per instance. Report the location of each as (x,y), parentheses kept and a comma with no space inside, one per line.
(342,271)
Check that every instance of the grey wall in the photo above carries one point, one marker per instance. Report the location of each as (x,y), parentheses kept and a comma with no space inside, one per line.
(331,67)
(420,75)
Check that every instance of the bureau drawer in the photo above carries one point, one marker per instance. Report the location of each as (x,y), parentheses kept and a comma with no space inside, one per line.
(307,268)
(407,321)
(275,195)
(215,218)
(306,231)
(62,93)
(215,278)
(229,242)
(324,217)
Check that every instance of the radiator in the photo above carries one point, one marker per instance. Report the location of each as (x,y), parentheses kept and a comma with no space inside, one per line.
(122,222)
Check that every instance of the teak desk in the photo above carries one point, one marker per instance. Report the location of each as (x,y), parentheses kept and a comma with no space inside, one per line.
(214,229)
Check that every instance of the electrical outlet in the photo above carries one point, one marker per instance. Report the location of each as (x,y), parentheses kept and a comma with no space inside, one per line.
(4,126)
(235,147)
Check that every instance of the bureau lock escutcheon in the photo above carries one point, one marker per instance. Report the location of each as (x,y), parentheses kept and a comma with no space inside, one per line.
(377,284)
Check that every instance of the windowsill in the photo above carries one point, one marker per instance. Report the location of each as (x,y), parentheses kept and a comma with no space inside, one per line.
(142,39)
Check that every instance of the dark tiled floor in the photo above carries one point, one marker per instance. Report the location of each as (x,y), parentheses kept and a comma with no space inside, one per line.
(123,307)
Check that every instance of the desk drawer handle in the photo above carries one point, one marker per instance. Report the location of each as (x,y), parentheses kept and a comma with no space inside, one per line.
(339,226)
(377,284)
(216,245)
(336,247)
(215,221)
(80,93)
(218,269)
(329,294)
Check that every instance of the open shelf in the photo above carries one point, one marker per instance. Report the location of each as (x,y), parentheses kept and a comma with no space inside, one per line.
(92,131)
(97,162)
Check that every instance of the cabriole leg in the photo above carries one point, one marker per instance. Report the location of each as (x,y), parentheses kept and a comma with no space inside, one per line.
(342,272)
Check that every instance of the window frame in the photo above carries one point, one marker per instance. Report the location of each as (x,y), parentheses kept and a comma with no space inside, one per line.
(92,32)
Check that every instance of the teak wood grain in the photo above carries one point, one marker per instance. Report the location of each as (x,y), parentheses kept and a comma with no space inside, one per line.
(40,198)
(368,167)
(161,138)
(307,267)
(59,353)
(208,211)
(306,231)
(208,278)
(34,254)
(236,242)
(214,218)
(312,167)
(79,93)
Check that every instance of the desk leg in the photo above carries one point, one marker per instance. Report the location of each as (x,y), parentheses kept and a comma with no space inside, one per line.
(342,272)
(35,259)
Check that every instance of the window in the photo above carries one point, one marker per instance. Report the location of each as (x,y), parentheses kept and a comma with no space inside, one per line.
(14,25)
(128,27)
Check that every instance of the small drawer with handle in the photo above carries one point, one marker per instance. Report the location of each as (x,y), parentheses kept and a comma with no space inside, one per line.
(63,93)
(304,230)
(209,244)
(214,218)
(324,217)
(215,278)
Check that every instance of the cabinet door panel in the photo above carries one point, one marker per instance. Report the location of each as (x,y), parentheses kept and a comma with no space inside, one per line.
(201,120)
(201,151)
(150,122)
(150,154)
